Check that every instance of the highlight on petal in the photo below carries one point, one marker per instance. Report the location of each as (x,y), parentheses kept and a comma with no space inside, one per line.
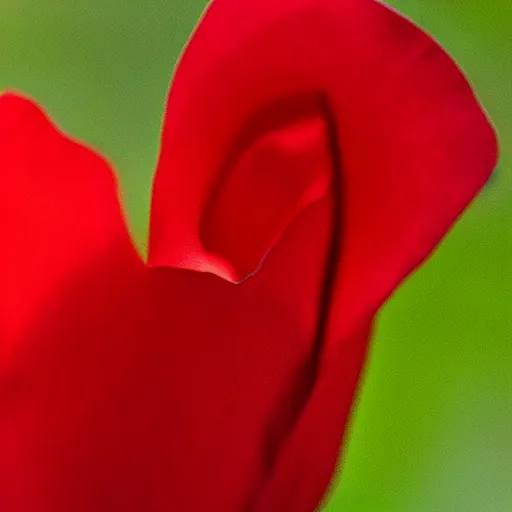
(415,144)
(59,209)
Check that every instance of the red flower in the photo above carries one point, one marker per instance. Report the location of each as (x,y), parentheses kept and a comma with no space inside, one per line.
(324,145)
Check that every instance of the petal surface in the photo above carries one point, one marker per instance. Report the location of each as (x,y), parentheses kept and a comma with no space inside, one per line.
(412,147)
(59,209)
(64,247)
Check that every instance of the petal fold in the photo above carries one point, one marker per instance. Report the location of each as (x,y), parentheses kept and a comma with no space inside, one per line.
(416,146)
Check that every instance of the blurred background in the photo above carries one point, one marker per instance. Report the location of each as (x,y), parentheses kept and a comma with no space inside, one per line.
(432,430)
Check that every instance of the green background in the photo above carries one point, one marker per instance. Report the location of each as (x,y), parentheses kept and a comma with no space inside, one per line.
(433,426)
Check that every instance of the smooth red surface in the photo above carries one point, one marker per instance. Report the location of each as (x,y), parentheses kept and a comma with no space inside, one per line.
(159,387)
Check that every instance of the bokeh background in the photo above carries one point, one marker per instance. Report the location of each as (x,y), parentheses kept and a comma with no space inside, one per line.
(432,430)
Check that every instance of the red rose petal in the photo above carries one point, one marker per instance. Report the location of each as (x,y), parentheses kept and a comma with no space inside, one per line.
(68,271)
(59,208)
(415,147)
(415,144)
